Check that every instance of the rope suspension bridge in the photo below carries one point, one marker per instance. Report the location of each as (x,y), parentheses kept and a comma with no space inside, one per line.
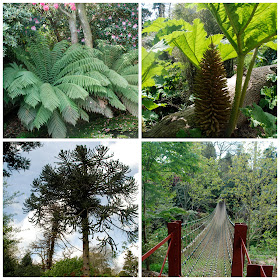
(209,247)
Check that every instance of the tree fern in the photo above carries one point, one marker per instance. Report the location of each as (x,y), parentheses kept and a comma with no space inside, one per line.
(58,86)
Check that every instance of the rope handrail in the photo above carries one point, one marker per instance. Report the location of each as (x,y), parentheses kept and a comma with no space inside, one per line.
(146,255)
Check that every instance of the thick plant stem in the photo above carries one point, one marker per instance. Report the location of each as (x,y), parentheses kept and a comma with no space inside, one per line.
(248,76)
(238,88)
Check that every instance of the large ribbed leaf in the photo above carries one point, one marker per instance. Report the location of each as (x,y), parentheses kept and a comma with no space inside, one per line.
(246,25)
(26,114)
(67,107)
(56,126)
(42,117)
(48,97)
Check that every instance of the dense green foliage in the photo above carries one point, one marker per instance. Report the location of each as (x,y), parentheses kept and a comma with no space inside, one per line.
(95,194)
(191,30)
(57,86)
(242,174)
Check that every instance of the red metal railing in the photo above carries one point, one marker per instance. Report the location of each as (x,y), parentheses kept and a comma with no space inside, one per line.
(239,252)
(174,249)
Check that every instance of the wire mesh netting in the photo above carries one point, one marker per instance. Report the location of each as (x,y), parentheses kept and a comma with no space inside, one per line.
(207,245)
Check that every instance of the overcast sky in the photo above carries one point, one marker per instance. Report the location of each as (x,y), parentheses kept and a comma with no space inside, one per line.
(128,152)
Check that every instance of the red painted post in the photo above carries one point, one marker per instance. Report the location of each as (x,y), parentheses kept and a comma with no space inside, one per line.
(240,232)
(174,256)
(256,270)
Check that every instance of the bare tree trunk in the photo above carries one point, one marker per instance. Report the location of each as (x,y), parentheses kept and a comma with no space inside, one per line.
(53,237)
(85,24)
(85,229)
(73,29)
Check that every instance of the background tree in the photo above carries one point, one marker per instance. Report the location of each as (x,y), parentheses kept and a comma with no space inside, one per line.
(95,192)
(12,157)
(130,267)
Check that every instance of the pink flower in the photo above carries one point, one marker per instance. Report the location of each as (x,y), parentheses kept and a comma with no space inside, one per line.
(132,13)
(129,35)
(133,38)
(42,4)
(113,36)
(109,17)
(124,28)
(135,25)
(83,40)
(46,8)
(73,7)
(129,24)
(30,19)
(123,23)
(134,45)
(34,3)
(55,6)
(117,26)
(37,21)
(33,28)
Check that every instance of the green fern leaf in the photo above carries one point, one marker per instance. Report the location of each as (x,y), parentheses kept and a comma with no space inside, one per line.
(117,79)
(129,93)
(42,117)
(68,108)
(56,126)
(73,91)
(32,97)
(48,97)
(83,115)
(26,114)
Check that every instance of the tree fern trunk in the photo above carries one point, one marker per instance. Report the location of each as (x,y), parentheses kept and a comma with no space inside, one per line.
(85,24)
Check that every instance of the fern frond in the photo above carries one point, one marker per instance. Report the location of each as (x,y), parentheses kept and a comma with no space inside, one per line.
(131,79)
(56,126)
(104,81)
(26,114)
(83,115)
(88,83)
(128,93)
(84,65)
(42,117)
(10,73)
(91,105)
(116,79)
(58,51)
(131,107)
(32,97)
(73,91)
(114,100)
(126,60)
(68,108)
(48,97)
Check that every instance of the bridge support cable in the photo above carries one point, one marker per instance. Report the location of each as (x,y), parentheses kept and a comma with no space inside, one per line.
(208,252)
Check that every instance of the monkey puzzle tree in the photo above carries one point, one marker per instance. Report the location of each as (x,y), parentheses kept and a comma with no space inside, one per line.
(94,192)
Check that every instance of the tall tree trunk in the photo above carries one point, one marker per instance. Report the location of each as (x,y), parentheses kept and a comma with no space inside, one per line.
(53,237)
(85,230)
(73,29)
(85,24)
